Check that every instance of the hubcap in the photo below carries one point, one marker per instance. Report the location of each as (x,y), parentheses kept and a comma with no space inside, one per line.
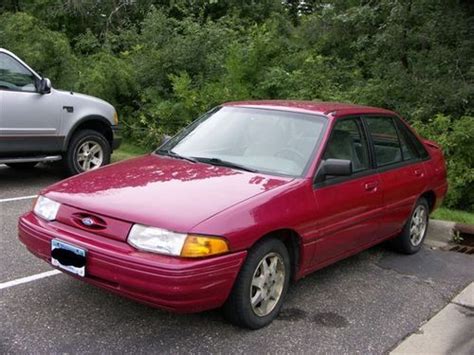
(89,156)
(418,225)
(267,284)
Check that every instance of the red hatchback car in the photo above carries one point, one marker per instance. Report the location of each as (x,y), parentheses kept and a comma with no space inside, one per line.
(245,199)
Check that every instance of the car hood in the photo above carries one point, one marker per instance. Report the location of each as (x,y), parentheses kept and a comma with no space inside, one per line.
(161,191)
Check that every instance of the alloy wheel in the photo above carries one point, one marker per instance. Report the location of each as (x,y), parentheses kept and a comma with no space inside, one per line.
(418,224)
(267,284)
(90,156)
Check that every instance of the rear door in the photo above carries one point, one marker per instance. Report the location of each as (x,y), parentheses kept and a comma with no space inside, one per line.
(400,167)
(349,208)
(29,121)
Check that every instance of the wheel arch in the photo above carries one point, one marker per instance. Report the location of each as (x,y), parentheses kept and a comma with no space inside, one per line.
(430,197)
(292,241)
(94,122)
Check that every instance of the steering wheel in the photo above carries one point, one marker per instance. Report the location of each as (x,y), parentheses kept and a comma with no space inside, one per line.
(291,154)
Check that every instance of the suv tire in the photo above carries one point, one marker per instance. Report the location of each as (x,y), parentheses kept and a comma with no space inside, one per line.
(88,150)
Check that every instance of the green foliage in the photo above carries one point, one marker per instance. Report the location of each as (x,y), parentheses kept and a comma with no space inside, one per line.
(456,137)
(162,63)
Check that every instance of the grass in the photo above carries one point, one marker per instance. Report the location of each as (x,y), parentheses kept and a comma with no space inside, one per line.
(453,215)
(127,151)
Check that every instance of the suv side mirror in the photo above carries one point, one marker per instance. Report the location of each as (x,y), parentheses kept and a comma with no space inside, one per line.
(334,167)
(44,86)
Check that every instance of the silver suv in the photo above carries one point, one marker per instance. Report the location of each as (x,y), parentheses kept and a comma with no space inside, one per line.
(40,124)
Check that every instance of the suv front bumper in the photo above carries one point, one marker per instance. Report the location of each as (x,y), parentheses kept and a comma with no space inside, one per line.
(116,136)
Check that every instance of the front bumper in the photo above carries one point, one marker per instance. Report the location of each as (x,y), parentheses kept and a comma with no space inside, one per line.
(175,284)
(116,137)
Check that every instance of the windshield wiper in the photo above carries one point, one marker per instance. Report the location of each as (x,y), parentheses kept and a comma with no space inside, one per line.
(220,162)
(170,153)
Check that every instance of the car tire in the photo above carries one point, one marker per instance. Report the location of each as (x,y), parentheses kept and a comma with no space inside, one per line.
(88,150)
(265,284)
(410,240)
(22,166)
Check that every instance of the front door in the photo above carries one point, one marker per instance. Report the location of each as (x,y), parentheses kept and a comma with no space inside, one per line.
(349,208)
(29,121)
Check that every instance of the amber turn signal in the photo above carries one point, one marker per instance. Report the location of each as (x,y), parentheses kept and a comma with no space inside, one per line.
(197,246)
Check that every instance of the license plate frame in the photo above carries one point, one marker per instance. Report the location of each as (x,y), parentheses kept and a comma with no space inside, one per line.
(68,247)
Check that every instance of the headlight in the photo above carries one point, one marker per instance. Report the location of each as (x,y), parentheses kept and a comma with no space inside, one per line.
(165,242)
(46,208)
(116,120)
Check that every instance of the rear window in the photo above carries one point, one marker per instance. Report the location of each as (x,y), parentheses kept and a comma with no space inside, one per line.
(385,140)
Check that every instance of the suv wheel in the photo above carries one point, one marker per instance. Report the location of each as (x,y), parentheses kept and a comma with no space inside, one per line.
(261,286)
(88,150)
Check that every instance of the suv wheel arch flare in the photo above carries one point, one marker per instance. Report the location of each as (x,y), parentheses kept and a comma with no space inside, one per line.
(94,122)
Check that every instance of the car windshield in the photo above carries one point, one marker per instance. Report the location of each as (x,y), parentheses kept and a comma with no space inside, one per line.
(253,139)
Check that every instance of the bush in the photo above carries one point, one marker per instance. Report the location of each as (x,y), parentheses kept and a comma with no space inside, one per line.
(456,137)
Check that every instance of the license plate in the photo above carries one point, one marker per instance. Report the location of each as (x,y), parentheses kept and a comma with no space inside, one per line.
(68,257)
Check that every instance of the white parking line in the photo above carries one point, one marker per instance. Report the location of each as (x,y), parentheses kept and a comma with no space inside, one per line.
(18,198)
(27,279)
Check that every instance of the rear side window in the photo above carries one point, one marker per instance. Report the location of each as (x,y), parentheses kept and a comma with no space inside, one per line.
(410,138)
(348,142)
(385,139)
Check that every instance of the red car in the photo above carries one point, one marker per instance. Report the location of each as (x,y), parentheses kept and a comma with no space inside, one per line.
(247,198)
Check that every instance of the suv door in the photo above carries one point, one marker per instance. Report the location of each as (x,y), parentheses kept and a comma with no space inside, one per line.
(349,208)
(400,165)
(29,121)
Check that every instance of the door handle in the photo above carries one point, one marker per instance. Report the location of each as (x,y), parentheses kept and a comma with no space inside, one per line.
(371,186)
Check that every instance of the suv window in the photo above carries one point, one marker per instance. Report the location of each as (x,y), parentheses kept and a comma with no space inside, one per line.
(14,76)
(417,146)
(385,139)
(348,142)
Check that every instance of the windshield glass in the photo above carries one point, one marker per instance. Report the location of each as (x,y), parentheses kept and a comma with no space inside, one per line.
(263,140)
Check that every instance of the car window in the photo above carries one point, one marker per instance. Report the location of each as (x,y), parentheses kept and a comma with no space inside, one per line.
(14,76)
(269,141)
(405,133)
(408,148)
(385,139)
(348,142)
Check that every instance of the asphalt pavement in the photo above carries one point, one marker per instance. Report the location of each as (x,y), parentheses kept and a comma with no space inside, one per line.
(365,304)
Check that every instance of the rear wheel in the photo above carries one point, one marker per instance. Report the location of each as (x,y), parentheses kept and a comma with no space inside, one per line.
(88,150)
(413,233)
(22,166)
(261,286)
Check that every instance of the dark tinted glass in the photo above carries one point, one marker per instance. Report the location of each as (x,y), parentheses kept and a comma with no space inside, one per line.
(415,142)
(348,142)
(385,139)
(14,76)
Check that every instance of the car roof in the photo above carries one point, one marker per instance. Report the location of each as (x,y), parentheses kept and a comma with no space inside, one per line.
(335,109)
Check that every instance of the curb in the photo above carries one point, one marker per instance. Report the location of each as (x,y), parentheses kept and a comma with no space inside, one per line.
(450,331)
(440,233)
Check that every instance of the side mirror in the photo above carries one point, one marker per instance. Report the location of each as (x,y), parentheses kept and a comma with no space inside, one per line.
(334,167)
(44,86)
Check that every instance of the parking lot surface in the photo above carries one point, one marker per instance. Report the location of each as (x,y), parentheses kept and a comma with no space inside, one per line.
(368,303)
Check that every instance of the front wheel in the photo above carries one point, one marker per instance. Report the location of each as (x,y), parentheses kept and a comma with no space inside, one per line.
(261,286)
(88,150)
(413,233)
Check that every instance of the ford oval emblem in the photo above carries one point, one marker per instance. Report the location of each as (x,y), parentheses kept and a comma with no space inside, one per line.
(87,221)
